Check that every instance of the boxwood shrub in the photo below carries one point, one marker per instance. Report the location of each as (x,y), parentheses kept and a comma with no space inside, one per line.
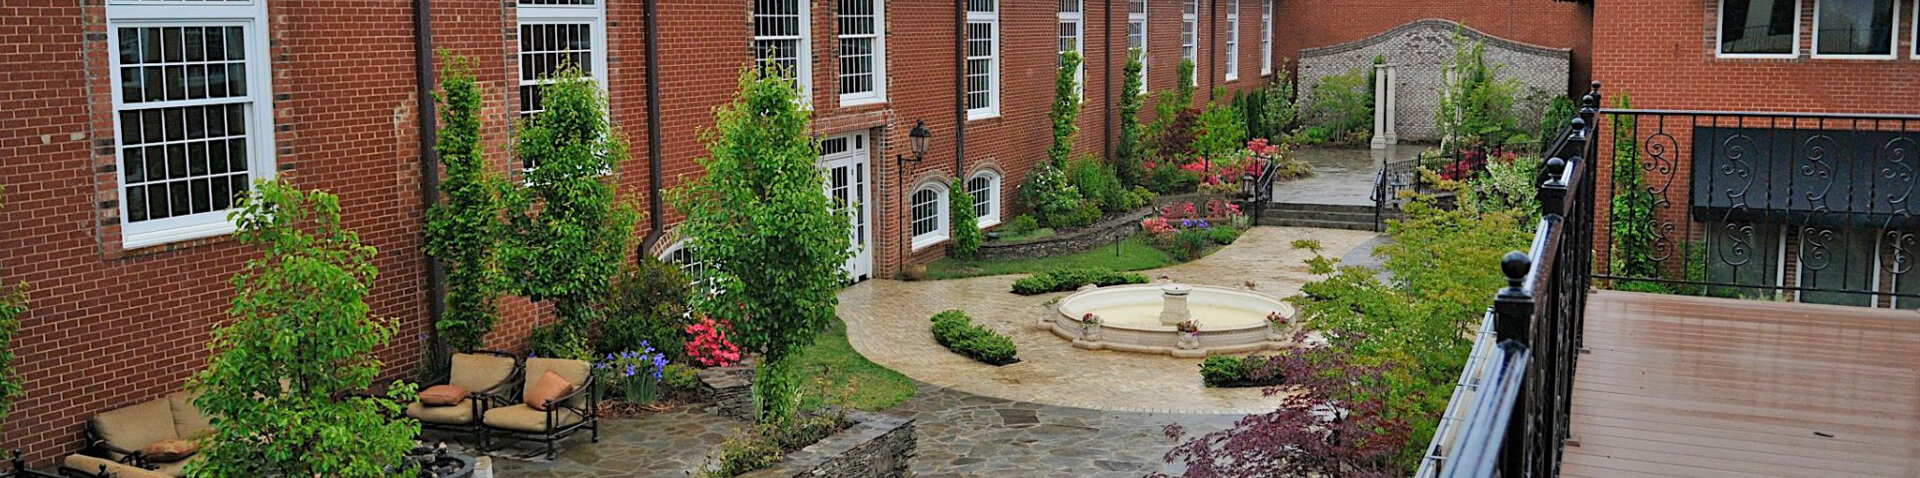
(1228,371)
(1060,280)
(956,331)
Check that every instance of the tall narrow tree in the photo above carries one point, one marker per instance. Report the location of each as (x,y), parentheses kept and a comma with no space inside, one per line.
(463,232)
(571,229)
(1130,152)
(777,243)
(1066,109)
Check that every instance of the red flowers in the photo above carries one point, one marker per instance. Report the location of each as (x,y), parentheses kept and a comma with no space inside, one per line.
(709,346)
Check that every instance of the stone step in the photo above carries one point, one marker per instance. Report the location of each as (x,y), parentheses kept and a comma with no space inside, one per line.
(1333,208)
(1335,216)
(1298,222)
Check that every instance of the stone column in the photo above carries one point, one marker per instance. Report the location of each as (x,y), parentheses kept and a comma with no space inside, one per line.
(1390,82)
(1380,106)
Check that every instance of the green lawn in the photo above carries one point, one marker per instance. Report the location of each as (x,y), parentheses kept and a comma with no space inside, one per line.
(842,372)
(1135,254)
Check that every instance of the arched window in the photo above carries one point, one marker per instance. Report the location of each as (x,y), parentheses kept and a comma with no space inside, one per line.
(985,189)
(929,209)
(697,270)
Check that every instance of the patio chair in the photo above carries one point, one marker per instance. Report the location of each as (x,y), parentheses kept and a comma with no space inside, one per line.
(488,376)
(126,435)
(83,466)
(562,416)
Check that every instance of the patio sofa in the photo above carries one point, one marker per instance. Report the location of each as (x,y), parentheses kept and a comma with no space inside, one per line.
(118,438)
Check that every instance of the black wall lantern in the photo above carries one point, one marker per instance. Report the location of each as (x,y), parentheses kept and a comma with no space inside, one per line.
(919,135)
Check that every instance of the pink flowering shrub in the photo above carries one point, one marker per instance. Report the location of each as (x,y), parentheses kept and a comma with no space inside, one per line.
(709,346)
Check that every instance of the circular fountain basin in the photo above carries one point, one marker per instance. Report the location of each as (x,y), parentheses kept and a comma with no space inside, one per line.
(1231,320)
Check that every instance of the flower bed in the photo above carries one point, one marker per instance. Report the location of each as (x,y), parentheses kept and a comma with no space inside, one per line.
(1185,229)
(1102,233)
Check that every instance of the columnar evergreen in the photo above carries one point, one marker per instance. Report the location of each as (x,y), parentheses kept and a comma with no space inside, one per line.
(1130,153)
(964,224)
(1066,109)
(463,232)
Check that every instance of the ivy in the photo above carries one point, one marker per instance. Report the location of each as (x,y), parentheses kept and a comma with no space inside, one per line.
(569,230)
(280,386)
(965,225)
(464,232)
(1066,109)
(1129,153)
(779,244)
(13,304)
(1632,224)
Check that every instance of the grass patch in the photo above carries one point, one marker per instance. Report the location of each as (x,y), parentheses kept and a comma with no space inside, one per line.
(836,366)
(1135,254)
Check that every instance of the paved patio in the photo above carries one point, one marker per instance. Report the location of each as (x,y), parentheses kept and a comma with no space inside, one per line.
(887,321)
(960,434)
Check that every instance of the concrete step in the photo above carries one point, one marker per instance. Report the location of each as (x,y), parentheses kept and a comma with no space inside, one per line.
(1330,208)
(1298,222)
(1366,217)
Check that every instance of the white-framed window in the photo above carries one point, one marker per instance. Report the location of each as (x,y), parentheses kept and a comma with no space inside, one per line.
(1233,40)
(1072,37)
(1137,36)
(928,206)
(193,114)
(781,40)
(863,52)
(983,59)
(984,186)
(554,35)
(1759,29)
(699,277)
(1266,37)
(1863,29)
(1190,37)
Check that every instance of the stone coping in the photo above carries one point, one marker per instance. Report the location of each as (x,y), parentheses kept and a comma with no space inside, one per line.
(875,446)
(1077,240)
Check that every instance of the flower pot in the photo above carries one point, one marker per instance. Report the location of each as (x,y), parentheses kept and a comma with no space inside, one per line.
(1189,340)
(915,272)
(1090,332)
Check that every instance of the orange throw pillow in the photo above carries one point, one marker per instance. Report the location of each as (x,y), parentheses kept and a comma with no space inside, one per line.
(169,451)
(442,395)
(550,386)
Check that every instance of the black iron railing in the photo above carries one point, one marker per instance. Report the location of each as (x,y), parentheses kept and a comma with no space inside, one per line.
(1509,415)
(1787,206)
(1393,177)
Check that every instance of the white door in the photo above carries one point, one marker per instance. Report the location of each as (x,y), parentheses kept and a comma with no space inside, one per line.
(844,161)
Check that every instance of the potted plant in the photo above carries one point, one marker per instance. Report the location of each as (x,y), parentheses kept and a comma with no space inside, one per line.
(1090,327)
(1276,325)
(1189,334)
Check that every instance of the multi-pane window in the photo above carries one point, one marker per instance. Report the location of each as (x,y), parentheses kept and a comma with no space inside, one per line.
(557,35)
(1137,35)
(928,206)
(985,189)
(1190,37)
(1266,37)
(1233,40)
(863,77)
(192,115)
(983,59)
(1759,27)
(1071,37)
(1859,28)
(780,40)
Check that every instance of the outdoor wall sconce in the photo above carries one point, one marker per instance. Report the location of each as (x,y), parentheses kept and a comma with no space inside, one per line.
(919,135)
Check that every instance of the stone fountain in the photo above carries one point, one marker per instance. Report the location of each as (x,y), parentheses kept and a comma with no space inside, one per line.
(1145,318)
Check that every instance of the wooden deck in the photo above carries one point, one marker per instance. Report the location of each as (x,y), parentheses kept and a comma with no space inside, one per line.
(1701,387)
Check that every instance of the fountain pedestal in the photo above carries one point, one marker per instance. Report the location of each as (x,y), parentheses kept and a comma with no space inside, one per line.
(1175,309)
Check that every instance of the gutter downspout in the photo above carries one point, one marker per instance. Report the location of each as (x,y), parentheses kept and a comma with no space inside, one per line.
(429,134)
(960,100)
(1106,48)
(1213,50)
(656,209)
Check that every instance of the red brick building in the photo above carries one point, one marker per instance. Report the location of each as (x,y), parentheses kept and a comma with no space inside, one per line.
(1780,161)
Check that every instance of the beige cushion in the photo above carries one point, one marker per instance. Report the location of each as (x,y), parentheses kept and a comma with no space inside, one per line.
(176,469)
(575,371)
(136,426)
(443,395)
(524,418)
(188,422)
(169,451)
(458,414)
(476,372)
(550,387)
(90,465)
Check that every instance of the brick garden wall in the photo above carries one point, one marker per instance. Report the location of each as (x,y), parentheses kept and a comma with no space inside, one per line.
(1548,23)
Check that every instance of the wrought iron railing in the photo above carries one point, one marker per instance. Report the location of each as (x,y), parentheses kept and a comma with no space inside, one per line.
(1509,415)
(1393,177)
(1788,206)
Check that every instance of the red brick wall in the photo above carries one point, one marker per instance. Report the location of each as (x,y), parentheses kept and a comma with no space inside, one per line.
(1548,23)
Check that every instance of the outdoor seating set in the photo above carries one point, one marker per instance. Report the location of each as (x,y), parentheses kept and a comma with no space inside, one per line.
(488,394)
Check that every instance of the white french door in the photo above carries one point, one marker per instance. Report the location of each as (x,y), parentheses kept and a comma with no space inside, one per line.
(844,161)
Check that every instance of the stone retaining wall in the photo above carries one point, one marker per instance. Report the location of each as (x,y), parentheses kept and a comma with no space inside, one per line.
(730,390)
(876,446)
(1103,233)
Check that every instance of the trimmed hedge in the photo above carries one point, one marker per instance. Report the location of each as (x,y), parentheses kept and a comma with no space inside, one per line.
(1062,280)
(956,331)
(1228,372)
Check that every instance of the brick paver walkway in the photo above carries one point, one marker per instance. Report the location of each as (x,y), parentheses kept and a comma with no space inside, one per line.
(887,321)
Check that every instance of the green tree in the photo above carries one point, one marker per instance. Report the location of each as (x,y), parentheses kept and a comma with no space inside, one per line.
(570,230)
(1476,105)
(1281,111)
(965,225)
(1223,129)
(464,232)
(1130,152)
(779,244)
(13,304)
(281,381)
(1066,109)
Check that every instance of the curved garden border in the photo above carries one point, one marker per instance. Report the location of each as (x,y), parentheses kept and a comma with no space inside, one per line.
(1078,240)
